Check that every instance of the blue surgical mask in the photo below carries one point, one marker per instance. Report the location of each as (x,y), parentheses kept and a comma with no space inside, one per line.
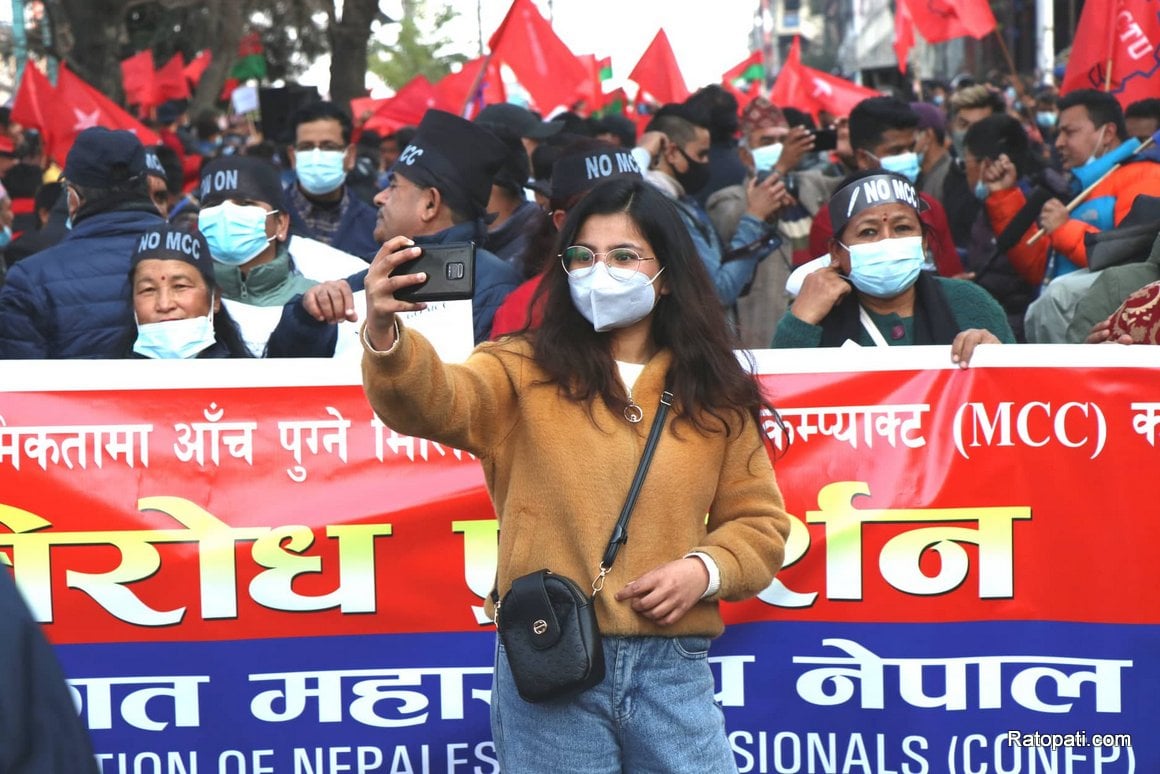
(236,233)
(320,171)
(885,268)
(5,237)
(175,339)
(1045,120)
(905,164)
(981,191)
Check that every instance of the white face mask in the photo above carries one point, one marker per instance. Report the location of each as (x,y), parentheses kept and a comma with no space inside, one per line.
(609,303)
(175,339)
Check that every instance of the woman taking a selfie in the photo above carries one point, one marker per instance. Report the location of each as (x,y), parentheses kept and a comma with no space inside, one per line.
(559,418)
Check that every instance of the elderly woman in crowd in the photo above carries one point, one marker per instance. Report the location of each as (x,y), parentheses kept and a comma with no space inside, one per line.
(176,301)
(874,292)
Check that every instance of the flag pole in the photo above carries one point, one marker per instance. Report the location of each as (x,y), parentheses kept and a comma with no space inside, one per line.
(1010,62)
(1148,143)
(475,84)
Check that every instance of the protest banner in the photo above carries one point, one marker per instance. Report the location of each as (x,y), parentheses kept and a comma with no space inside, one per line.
(245,571)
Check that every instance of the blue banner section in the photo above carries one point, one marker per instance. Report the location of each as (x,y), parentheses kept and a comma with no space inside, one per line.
(963,698)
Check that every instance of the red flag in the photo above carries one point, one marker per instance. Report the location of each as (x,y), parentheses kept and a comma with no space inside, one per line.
(80,106)
(138,80)
(942,20)
(171,83)
(195,69)
(406,108)
(1131,45)
(591,93)
(452,91)
(813,90)
(657,72)
(542,63)
(903,34)
(33,101)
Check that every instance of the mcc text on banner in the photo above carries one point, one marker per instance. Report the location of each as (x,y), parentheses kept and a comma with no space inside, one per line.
(244,571)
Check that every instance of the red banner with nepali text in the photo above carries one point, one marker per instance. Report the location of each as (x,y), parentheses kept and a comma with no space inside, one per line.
(244,570)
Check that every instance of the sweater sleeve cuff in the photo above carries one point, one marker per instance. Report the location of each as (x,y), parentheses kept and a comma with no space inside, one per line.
(366,341)
(714,573)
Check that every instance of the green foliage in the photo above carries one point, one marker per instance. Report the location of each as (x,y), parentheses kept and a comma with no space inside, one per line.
(421,48)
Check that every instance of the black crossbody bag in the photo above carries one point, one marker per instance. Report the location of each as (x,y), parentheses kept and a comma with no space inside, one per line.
(547,622)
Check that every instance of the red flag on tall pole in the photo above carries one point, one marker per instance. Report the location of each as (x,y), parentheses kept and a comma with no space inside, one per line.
(171,82)
(79,106)
(813,90)
(196,68)
(1125,62)
(406,108)
(903,34)
(138,80)
(542,63)
(942,20)
(658,73)
(33,100)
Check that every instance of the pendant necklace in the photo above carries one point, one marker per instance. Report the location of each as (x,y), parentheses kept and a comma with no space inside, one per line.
(632,412)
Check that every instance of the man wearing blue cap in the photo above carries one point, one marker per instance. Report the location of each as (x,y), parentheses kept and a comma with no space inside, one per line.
(72,300)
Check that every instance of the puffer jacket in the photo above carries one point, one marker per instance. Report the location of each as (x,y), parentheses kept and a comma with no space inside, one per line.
(72,300)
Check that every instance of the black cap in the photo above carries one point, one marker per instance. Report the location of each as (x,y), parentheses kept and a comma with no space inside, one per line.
(240,177)
(170,111)
(101,158)
(455,156)
(516,169)
(174,243)
(520,120)
(575,173)
(153,165)
(863,190)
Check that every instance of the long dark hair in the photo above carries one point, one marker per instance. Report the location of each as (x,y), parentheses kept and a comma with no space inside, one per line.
(713,391)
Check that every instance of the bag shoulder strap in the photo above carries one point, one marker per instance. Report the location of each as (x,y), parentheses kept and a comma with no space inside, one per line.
(620,531)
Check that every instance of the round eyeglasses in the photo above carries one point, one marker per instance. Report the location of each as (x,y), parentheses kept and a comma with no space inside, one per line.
(623,262)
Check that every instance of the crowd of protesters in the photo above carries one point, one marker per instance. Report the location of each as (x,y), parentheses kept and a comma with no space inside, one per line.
(282,235)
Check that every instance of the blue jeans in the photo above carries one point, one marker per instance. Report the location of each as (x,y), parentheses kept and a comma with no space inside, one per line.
(653,713)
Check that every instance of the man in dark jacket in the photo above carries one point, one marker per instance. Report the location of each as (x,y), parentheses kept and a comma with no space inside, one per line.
(320,203)
(438,194)
(39,727)
(72,300)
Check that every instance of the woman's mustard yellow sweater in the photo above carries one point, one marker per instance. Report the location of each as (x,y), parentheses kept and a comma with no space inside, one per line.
(558,475)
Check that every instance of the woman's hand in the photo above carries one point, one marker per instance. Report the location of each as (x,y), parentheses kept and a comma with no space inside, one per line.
(381,287)
(998,174)
(821,291)
(665,594)
(964,344)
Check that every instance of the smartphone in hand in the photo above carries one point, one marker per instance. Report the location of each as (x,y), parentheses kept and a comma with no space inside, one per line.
(450,270)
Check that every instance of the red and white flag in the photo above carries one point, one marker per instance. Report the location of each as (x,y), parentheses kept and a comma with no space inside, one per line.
(1116,49)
